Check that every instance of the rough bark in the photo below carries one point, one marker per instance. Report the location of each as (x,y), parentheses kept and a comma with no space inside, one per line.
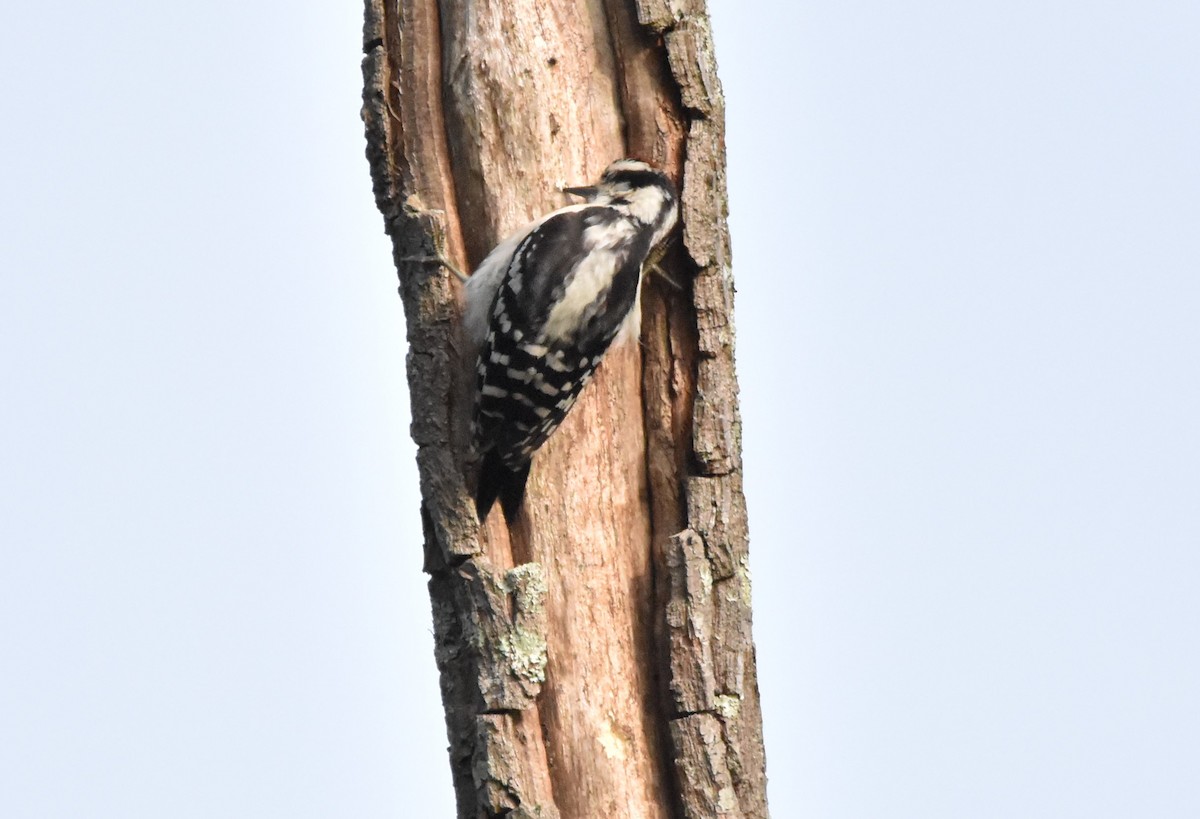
(596,660)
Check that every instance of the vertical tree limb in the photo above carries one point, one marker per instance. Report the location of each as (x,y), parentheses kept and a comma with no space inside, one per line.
(596,660)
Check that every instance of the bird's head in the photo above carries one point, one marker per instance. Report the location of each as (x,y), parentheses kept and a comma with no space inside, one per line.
(641,190)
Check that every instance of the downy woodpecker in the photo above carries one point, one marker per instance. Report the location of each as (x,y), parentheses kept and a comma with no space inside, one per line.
(544,307)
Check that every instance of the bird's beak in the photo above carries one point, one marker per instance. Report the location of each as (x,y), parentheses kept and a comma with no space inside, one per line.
(586,191)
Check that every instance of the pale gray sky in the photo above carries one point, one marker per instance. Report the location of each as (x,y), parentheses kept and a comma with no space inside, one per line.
(968,265)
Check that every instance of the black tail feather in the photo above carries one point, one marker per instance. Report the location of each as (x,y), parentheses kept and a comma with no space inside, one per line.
(497,481)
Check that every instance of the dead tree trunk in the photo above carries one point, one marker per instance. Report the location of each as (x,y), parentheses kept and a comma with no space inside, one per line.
(596,660)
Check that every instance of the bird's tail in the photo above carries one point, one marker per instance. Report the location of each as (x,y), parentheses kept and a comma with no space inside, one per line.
(497,481)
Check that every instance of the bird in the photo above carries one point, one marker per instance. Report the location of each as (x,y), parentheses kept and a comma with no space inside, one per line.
(545,306)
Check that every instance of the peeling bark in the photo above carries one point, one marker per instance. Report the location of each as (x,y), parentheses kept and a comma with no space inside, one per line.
(596,660)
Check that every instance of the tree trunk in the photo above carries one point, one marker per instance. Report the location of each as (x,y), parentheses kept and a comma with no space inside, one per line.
(596,659)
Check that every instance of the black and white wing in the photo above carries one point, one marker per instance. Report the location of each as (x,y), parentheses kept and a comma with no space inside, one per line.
(571,284)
